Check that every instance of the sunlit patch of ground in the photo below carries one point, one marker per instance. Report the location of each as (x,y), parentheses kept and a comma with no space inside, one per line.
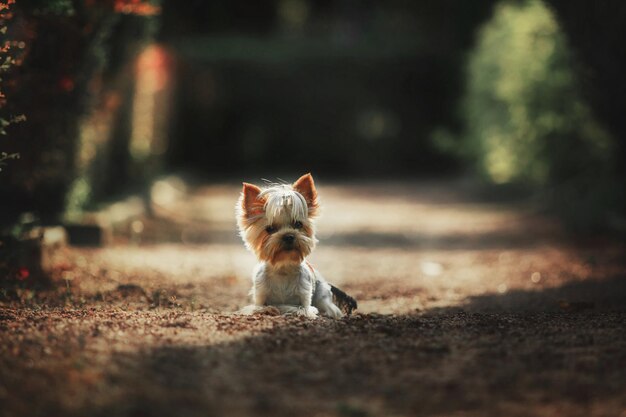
(465,307)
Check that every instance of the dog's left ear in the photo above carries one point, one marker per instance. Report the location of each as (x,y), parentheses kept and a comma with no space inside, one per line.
(305,186)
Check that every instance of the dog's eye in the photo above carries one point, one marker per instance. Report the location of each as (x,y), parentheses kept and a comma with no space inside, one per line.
(270,229)
(297,224)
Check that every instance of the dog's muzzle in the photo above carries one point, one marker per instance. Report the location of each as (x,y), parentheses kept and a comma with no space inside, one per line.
(288,240)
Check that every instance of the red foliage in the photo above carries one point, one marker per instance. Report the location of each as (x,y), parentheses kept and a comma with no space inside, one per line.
(6,4)
(136,7)
(23,273)
(66,83)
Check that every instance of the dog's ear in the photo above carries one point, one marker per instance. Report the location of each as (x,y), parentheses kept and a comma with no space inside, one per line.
(251,205)
(305,186)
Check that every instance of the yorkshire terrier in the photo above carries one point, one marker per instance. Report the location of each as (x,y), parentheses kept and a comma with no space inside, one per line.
(276,223)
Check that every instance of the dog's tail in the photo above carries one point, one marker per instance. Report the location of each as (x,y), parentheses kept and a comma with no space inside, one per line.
(346,303)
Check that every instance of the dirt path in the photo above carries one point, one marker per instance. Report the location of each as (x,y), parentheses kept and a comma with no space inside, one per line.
(466,308)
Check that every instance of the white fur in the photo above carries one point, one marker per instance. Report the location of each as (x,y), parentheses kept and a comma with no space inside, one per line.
(281,200)
(291,287)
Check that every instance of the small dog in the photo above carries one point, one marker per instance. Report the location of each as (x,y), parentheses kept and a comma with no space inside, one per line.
(276,223)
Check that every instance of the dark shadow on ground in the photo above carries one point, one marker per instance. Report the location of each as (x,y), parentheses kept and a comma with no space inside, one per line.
(512,354)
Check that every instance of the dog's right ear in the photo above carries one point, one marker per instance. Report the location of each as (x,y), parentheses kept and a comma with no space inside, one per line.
(251,205)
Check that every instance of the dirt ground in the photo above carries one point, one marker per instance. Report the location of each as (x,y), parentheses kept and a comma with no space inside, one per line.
(466,308)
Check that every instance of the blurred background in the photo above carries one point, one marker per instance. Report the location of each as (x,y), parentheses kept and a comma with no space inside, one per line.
(102,97)
(469,157)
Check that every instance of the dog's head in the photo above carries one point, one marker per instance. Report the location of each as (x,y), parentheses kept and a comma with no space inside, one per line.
(276,222)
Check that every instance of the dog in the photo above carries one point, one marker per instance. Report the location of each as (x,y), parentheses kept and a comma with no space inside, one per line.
(276,223)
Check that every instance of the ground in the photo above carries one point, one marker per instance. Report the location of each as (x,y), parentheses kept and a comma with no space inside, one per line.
(466,308)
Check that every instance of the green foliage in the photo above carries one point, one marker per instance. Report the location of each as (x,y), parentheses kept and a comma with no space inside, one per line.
(525,117)
(526,122)
(7,61)
(7,156)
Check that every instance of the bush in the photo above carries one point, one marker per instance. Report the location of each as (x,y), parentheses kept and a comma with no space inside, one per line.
(10,55)
(76,62)
(526,122)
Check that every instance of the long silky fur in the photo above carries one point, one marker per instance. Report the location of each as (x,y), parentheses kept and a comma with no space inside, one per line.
(280,206)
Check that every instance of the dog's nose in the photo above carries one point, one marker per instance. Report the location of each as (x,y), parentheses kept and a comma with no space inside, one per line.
(289,239)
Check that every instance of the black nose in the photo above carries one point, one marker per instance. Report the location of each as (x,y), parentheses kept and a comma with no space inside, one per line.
(289,239)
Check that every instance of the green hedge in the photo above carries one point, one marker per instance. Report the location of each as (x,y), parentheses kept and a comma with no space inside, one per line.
(526,122)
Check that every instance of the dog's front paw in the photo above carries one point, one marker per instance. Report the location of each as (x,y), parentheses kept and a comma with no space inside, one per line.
(266,310)
(310,312)
(250,309)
